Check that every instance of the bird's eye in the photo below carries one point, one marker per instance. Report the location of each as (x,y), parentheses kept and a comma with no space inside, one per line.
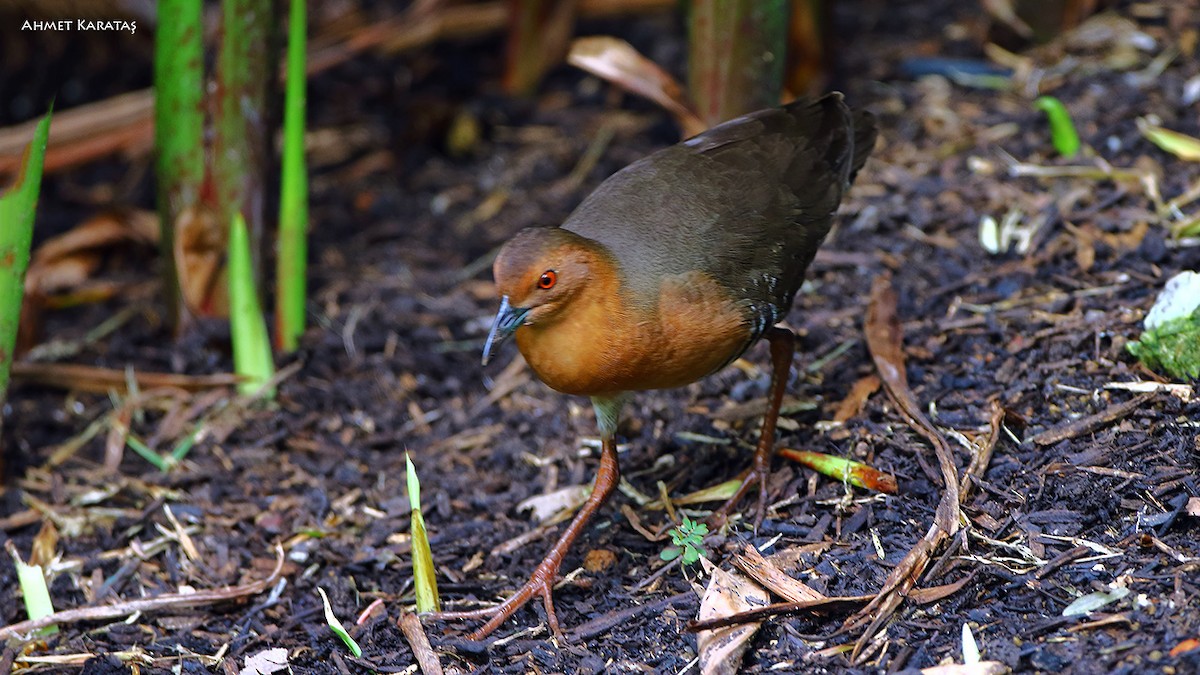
(547,280)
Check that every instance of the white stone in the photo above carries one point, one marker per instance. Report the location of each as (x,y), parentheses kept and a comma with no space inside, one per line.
(1180,297)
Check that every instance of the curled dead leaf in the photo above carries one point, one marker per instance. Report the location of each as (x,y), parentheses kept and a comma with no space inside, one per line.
(728,593)
(199,250)
(617,61)
(67,260)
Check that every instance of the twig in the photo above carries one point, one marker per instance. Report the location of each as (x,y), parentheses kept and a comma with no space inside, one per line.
(1090,423)
(102,380)
(603,624)
(885,342)
(165,601)
(410,625)
(779,609)
(981,460)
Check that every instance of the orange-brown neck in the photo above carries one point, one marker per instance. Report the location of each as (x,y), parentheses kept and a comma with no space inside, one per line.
(574,350)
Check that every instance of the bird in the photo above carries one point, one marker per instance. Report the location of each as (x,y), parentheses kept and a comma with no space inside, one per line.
(669,271)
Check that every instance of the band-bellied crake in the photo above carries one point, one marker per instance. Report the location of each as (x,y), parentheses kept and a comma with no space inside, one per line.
(669,271)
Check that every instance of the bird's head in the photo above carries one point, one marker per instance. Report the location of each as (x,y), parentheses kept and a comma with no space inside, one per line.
(539,273)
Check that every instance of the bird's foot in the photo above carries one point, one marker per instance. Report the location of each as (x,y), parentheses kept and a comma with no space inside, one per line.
(541,583)
(754,476)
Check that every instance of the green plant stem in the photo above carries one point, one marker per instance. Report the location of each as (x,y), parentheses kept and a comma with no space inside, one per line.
(241,130)
(736,56)
(17,211)
(178,130)
(291,265)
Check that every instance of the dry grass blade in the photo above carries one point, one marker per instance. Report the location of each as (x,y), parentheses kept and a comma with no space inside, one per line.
(87,132)
(885,342)
(103,380)
(164,601)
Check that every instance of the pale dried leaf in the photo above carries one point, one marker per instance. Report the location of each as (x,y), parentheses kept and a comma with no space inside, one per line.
(970,648)
(981,668)
(547,506)
(266,662)
(1094,601)
(728,593)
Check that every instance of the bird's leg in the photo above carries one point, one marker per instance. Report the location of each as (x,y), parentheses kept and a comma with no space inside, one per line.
(541,582)
(783,348)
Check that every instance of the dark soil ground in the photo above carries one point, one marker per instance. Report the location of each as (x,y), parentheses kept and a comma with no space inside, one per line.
(401,303)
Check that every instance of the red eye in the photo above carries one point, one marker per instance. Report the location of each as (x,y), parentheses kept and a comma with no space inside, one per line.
(547,280)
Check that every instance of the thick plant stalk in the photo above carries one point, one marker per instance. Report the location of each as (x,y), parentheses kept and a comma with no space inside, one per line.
(538,34)
(178,130)
(241,124)
(736,56)
(291,265)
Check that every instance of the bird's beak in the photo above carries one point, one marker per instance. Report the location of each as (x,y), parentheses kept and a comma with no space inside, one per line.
(507,321)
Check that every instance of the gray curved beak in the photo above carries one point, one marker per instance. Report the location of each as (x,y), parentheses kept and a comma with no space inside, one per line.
(507,321)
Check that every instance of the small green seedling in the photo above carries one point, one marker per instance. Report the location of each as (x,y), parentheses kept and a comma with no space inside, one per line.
(252,357)
(32,581)
(688,539)
(1062,129)
(336,626)
(424,577)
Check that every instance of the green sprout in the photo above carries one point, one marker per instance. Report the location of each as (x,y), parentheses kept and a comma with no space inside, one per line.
(1062,129)
(17,210)
(336,626)
(424,577)
(32,580)
(251,347)
(688,540)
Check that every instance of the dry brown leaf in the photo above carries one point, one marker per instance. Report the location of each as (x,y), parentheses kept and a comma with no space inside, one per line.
(885,340)
(200,244)
(65,261)
(45,545)
(618,62)
(853,404)
(727,593)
